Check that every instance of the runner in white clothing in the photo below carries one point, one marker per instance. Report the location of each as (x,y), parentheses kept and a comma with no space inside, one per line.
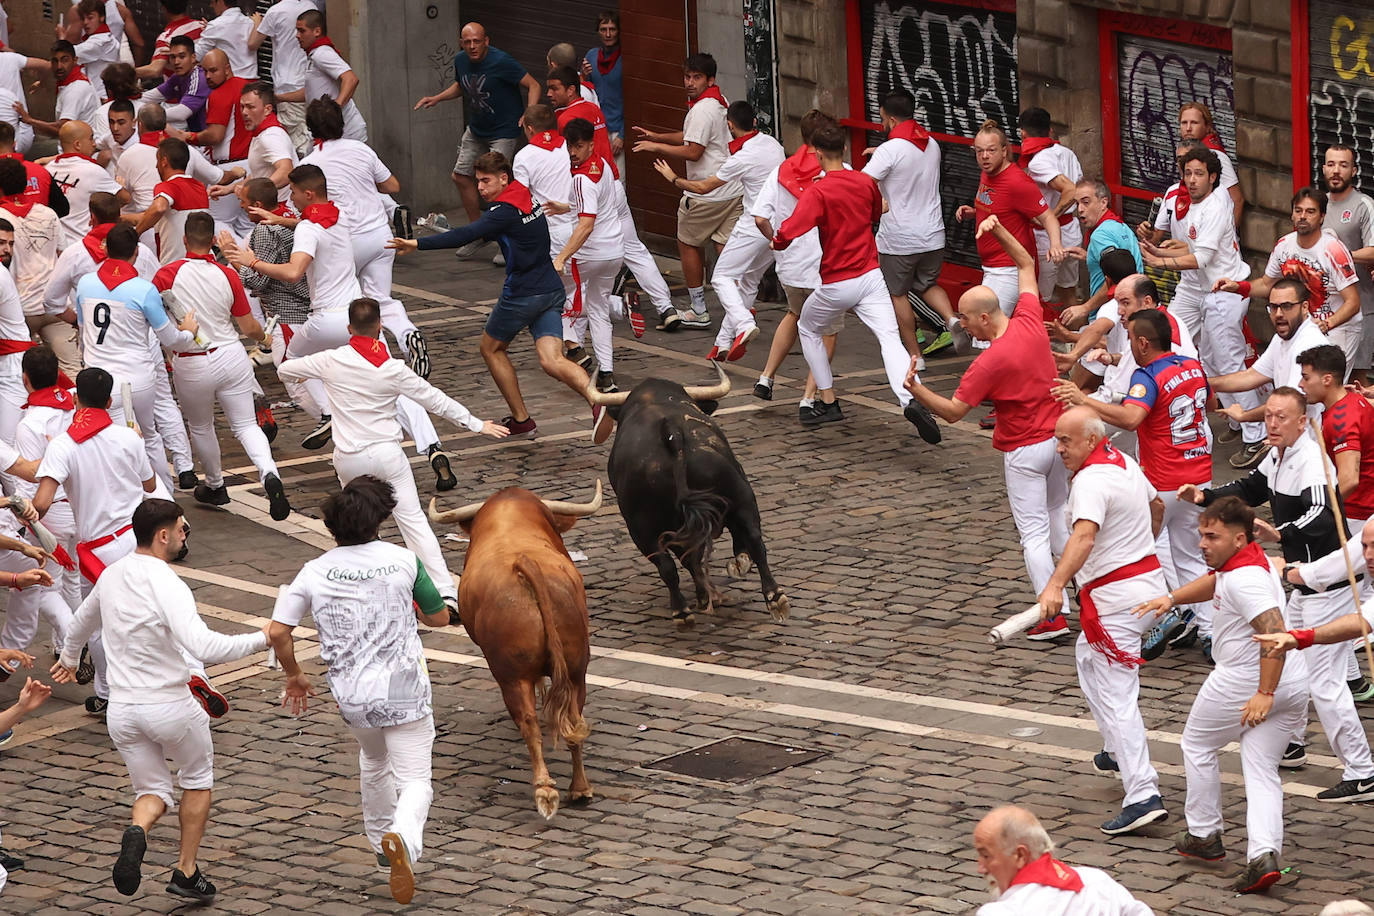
(1195,124)
(327,75)
(1056,172)
(79,176)
(175,197)
(543,166)
(364,382)
(150,617)
(364,597)
(270,153)
(228,32)
(77,99)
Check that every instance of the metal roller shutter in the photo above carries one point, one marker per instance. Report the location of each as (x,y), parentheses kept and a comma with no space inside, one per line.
(1342,82)
(526,29)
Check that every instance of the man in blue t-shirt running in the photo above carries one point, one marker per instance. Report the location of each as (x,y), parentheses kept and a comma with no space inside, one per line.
(490,82)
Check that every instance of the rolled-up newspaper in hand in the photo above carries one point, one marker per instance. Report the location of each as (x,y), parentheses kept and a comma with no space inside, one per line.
(268,328)
(178,310)
(17,505)
(1014,625)
(126,400)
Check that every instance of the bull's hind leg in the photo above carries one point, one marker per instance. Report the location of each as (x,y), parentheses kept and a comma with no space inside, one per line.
(580,791)
(667,571)
(740,562)
(697,563)
(745,530)
(519,697)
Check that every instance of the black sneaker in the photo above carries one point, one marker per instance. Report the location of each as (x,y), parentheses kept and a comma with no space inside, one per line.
(455,619)
(763,392)
(523,427)
(277,505)
(1361,689)
(580,356)
(1251,454)
(1207,848)
(444,478)
(669,320)
(1349,790)
(383,861)
(85,669)
(127,871)
(214,702)
(192,888)
(605,382)
(187,480)
(1133,817)
(211,496)
(9,861)
(95,706)
(417,353)
(319,436)
(821,412)
(925,424)
(402,874)
(1294,756)
(1261,873)
(267,421)
(1105,763)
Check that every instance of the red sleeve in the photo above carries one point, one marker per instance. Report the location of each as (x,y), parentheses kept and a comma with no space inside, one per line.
(240,306)
(1340,430)
(165,277)
(974,386)
(1027,197)
(804,218)
(220,109)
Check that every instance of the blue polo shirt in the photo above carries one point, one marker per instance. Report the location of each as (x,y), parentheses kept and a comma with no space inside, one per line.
(1109,234)
(491,89)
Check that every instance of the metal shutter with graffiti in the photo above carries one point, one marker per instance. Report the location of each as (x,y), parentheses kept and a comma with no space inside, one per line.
(1342,82)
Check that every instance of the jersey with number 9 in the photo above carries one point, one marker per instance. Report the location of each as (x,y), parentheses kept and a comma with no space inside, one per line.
(115,328)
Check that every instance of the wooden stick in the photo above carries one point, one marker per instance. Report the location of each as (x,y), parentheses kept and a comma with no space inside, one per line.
(1332,495)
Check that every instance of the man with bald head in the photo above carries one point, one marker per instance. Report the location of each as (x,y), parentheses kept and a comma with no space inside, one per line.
(1015,373)
(1016,856)
(79,176)
(564,54)
(1116,514)
(492,83)
(225,138)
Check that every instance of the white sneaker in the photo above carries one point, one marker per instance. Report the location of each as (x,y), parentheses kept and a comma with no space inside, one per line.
(470,249)
(692,319)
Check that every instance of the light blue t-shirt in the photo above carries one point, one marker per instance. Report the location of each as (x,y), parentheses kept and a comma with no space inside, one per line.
(1107,235)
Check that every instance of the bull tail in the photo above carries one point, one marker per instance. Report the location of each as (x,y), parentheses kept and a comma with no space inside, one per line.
(703,512)
(562,715)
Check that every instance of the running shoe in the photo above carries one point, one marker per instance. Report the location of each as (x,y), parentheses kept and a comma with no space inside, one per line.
(211,496)
(402,875)
(96,706)
(579,356)
(417,353)
(214,702)
(1361,689)
(669,321)
(693,319)
(741,343)
(1161,635)
(444,478)
(1294,756)
(6,737)
(1349,790)
(85,669)
(1249,456)
(319,437)
(605,382)
(1105,763)
(267,421)
(763,391)
(989,421)
(1133,817)
(128,868)
(636,316)
(277,505)
(195,888)
(602,424)
(943,342)
(1056,626)
(925,424)
(1260,874)
(523,427)
(187,480)
(1207,848)
(821,412)
(9,861)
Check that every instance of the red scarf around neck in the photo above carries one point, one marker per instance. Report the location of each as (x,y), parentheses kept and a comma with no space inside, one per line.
(712,92)
(592,168)
(1252,554)
(799,171)
(739,142)
(518,196)
(56,396)
(152,137)
(324,213)
(18,204)
(86,422)
(911,132)
(61,156)
(282,209)
(1032,145)
(95,241)
(547,139)
(114,272)
(1105,453)
(606,61)
(370,348)
(269,121)
(103,30)
(1109,217)
(73,75)
(321,42)
(1050,872)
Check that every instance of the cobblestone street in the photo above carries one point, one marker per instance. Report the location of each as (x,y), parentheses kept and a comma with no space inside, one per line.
(897,557)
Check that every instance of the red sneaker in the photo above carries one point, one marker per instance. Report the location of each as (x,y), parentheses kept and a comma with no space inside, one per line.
(636,316)
(741,342)
(717,354)
(1053,628)
(267,422)
(988,422)
(214,702)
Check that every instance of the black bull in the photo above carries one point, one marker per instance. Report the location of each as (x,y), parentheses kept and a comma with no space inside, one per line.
(679,486)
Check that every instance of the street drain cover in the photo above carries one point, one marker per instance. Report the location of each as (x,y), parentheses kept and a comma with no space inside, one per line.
(735,759)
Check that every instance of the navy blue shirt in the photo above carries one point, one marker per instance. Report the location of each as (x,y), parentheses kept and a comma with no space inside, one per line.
(491,88)
(524,241)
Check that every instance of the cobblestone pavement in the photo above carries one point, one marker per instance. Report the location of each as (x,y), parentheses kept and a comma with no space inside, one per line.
(897,557)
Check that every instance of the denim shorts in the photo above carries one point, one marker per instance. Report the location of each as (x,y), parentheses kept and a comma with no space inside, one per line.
(542,314)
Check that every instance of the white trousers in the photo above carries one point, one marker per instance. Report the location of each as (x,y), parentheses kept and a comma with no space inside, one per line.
(225,375)
(1326,670)
(12,399)
(1215,321)
(146,402)
(1113,689)
(594,280)
(373,262)
(638,258)
(1348,337)
(1038,488)
(743,261)
(1214,722)
(147,735)
(300,392)
(323,330)
(27,605)
(1006,283)
(1183,556)
(171,426)
(867,296)
(386,461)
(394,768)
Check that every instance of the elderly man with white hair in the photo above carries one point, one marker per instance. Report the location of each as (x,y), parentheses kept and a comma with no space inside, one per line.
(1346,908)
(1016,856)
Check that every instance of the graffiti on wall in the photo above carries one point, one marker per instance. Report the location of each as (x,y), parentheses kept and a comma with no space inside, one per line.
(1342,84)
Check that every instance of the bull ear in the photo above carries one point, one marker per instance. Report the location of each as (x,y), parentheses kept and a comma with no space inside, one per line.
(562,523)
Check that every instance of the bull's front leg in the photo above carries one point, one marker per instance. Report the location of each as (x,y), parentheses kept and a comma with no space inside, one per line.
(667,571)
(519,697)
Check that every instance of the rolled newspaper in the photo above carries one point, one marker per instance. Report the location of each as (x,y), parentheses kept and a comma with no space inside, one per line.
(178,310)
(126,400)
(1014,625)
(268,328)
(17,505)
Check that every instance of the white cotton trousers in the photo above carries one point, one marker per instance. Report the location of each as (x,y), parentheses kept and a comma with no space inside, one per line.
(1113,689)
(1214,722)
(147,735)
(147,402)
(594,280)
(323,330)
(373,262)
(1183,556)
(171,426)
(386,461)
(13,396)
(1215,322)
(394,768)
(1006,283)
(1038,488)
(743,261)
(224,375)
(27,605)
(1326,670)
(638,259)
(823,311)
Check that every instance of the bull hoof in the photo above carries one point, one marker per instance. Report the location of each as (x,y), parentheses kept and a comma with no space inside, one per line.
(779,606)
(546,800)
(707,608)
(739,567)
(579,799)
(684,619)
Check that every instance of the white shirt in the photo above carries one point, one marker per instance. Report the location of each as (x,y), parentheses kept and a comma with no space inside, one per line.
(1043,168)
(1279,361)
(94,54)
(1325,269)
(73,264)
(104,139)
(1100,896)
(547,173)
(103,477)
(214,291)
(12,325)
(171,228)
(597,199)
(910,180)
(228,32)
(750,168)
(148,616)
(1242,594)
(364,396)
(37,238)
(333,283)
(360,600)
(323,70)
(78,101)
(23,133)
(37,426)
(1209,228)
(1118,500)
(115,325)
(1167,220)
(114,20)
(288,59)
(79,178)
(798,265)
(1228,177)
(1118,340)
(11,68)
(270,147)
(352,171)
(705,125)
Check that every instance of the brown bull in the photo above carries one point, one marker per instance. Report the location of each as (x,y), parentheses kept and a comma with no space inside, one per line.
(522,602)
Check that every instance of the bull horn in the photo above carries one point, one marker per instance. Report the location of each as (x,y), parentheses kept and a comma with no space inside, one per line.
(712,392)
(601,398)
(454,516)
(575,510)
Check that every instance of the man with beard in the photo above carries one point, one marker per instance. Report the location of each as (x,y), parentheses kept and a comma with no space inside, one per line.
(1352,219)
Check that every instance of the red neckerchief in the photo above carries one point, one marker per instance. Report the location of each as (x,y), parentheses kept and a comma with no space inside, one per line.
(1032,145)
(19,156)
(1252,554)
(282,210)
(321,42)
(192,256)
(76,73)
(798,171)
(370,348)
(712,92)
(1212,141)
(592,168)
(104,29)
(114,272)
(319,144)
(269,121)
(547,139)
(738,142)
(1109,217)
(605,63)
(152,137)
(911,132)
(86,422)
(325,214)
(95,241)
(56,396)
(1182,201)
(518,196)
(18,204)
(61,156)
(1050,872)
(1105,453)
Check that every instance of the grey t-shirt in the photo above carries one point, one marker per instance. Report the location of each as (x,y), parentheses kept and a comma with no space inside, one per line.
(1352,220)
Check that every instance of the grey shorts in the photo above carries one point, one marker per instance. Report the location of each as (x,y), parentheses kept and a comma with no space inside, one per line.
(470,147)
(906,272)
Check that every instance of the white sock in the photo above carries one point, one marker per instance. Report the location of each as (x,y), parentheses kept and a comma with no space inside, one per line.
(698,295)
(765,381)
(953,322)
(807,402)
